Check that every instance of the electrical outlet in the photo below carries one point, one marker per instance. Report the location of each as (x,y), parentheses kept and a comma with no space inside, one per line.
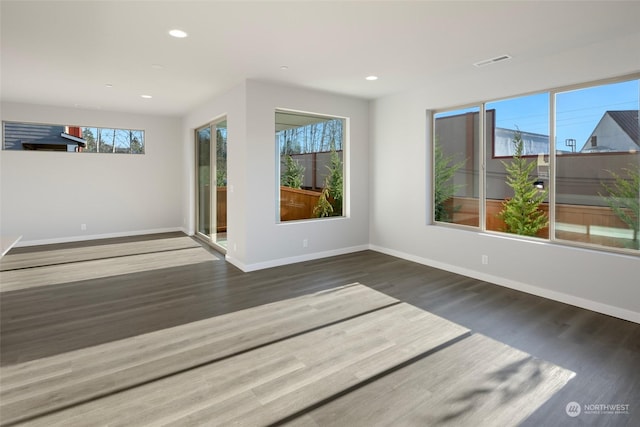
(485,259)
(305,243)
(83,227)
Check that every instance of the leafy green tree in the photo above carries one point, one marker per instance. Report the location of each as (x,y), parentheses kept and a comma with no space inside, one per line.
(624,199)
(444,188)
(521,213)
(292,174)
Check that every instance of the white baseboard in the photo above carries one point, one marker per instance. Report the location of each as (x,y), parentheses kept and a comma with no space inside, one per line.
(596,306)
(236,263)
(96,236)
(295,259)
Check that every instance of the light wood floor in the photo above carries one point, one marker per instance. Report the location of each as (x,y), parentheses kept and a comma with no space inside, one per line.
(92,334)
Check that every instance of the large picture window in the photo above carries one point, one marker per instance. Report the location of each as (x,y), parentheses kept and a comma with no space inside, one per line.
(577,181)
(311,159)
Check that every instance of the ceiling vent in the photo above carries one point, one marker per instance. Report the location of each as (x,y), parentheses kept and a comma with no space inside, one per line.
(492,60)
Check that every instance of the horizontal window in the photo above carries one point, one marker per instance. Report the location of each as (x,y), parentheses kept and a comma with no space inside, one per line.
(44,137)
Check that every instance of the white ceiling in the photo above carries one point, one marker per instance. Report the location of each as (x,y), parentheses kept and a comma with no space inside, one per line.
(65,53)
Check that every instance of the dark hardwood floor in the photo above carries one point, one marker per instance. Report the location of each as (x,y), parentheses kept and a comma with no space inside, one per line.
(42,319)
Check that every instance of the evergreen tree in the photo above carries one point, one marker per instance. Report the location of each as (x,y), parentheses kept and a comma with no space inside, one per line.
(330,201)
(323,208)
(521,213)
(136,146)
(87,135)
(335,181)
(623,198)
(292,174)
(444,187)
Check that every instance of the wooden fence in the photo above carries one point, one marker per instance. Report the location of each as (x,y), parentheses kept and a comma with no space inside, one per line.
(297,204)
(294,204)
(583,216)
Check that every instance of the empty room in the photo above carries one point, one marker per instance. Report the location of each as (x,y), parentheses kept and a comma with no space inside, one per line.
(320,213)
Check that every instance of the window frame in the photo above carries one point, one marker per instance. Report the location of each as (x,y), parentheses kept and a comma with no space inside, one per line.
(115,130)
(552,155)
(479,166)
(345,143)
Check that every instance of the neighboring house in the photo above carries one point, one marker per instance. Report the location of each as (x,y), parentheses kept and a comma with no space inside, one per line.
(533,143)
(30,136)
(616,131)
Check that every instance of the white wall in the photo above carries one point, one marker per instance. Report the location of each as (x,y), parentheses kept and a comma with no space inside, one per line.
(232,105)
(256,238)
(400,180)
(46,196)
(270,242)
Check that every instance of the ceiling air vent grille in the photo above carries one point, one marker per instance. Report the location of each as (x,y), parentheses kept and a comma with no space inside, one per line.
(492,60)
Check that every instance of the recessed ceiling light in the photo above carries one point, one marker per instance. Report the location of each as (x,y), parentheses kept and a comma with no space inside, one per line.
(146,96)
(178,34)
(157,66)
(284,67)
(371,78)
(108,85)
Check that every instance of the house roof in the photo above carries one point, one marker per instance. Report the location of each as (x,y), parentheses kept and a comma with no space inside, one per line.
(31,136)
(628,122)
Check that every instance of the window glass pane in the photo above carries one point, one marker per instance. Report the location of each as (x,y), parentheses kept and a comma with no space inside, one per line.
(122,141)
(597,165)
(456,177)
(106,140)
(136,141)
(203,147)
(221,154)
(90,135)
(311,156)
(517,165)
(221,183)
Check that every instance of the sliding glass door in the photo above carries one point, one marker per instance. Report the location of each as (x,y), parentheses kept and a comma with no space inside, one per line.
(211,179)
